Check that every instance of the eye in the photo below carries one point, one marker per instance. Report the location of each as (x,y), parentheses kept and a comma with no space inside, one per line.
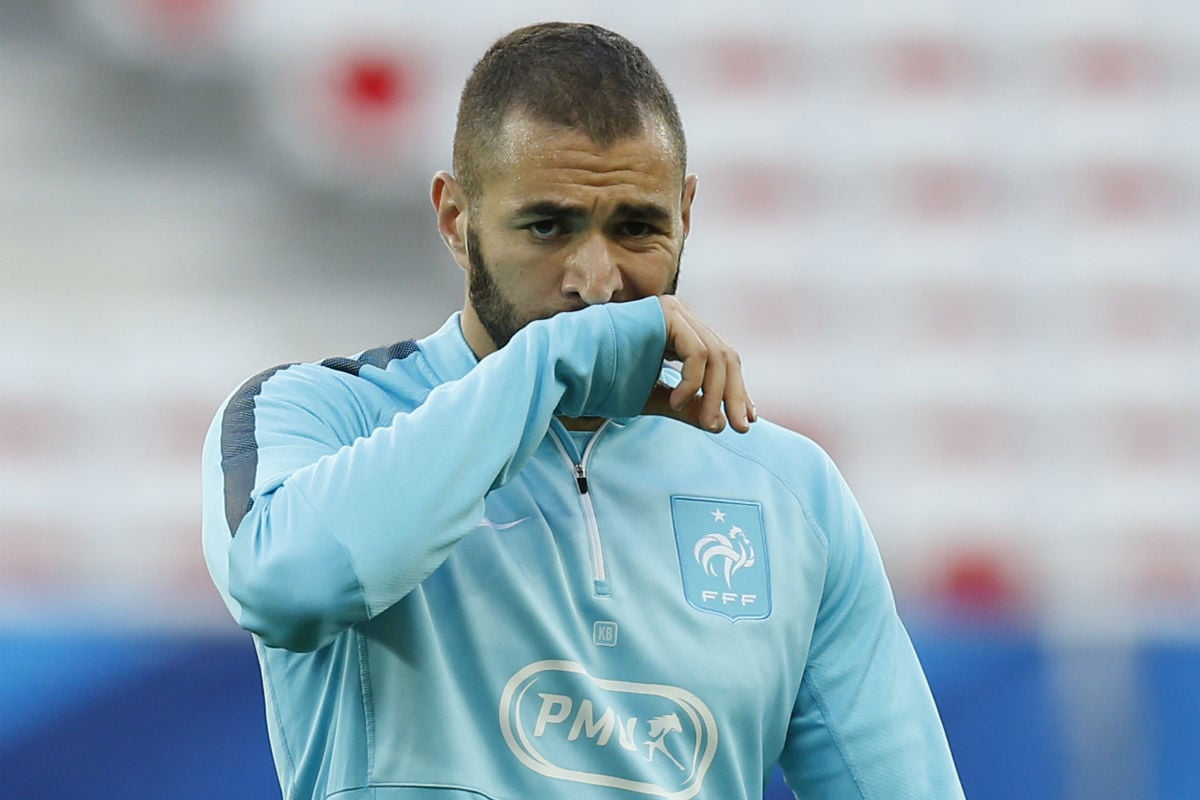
(636,229)
(544,228)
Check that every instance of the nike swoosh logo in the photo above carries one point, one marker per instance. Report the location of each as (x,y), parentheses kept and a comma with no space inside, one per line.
(503,526)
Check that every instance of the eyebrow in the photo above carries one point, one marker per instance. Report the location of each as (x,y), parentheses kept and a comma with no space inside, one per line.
(645,212)
(549,208)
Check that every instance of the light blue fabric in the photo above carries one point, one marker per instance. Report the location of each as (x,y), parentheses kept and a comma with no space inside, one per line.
(447,605)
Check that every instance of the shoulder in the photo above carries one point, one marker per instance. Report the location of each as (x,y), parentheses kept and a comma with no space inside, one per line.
(337,374)
(793,457)
(358,390)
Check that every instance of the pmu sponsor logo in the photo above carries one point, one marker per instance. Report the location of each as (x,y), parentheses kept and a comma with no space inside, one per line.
(641,737)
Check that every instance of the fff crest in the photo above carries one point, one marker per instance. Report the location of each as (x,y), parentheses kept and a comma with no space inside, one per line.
(722,550)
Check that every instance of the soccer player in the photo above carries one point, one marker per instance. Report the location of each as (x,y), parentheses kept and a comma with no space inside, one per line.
(522,557)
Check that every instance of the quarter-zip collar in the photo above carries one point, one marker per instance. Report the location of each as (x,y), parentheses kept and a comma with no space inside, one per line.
(578,462)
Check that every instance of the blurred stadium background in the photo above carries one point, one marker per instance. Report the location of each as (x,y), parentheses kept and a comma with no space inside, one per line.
(957,242)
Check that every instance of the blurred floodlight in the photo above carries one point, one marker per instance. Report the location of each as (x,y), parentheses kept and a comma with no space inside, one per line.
(341,90)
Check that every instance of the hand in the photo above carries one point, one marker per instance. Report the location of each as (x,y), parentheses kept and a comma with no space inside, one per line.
(712,375)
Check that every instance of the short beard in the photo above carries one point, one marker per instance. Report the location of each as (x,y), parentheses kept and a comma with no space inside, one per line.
(496,313)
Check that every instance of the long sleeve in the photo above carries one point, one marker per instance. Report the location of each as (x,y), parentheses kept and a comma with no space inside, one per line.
(341,524)
(864,726)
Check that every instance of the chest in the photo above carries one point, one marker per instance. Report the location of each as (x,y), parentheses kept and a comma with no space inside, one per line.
(620,610)
(621,548)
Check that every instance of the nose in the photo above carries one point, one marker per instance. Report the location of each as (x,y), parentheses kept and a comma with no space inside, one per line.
(592,273)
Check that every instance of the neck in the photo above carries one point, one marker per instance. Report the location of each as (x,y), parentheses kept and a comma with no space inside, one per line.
(472,330)
(582,423)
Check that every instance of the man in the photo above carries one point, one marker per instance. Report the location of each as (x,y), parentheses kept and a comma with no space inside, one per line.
(520,558)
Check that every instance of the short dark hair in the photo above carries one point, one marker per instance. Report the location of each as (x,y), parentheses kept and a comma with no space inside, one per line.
(577,75)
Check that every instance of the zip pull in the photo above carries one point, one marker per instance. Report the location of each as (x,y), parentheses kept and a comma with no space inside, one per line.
(581,478)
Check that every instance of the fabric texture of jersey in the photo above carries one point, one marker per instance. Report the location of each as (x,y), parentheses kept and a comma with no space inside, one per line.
(452,596)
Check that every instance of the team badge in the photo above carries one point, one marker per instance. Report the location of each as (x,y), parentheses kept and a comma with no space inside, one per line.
(722,551)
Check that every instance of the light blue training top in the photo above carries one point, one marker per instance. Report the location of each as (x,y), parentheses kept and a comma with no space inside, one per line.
(452,597)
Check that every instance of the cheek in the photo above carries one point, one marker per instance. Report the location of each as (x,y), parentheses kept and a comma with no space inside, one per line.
(528,279)
(652,272)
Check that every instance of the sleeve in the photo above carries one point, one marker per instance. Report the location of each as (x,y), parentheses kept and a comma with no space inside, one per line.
(864,725)
(337,531)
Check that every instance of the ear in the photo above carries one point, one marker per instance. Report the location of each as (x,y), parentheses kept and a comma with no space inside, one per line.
(450,205)
(689,194)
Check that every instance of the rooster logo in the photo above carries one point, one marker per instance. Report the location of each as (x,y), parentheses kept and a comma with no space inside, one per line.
(734,551)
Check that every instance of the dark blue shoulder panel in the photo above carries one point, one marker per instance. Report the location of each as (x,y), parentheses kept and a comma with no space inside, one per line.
(239,446)
(378,357)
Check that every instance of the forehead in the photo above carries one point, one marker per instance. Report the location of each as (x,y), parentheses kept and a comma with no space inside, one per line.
(533,159)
